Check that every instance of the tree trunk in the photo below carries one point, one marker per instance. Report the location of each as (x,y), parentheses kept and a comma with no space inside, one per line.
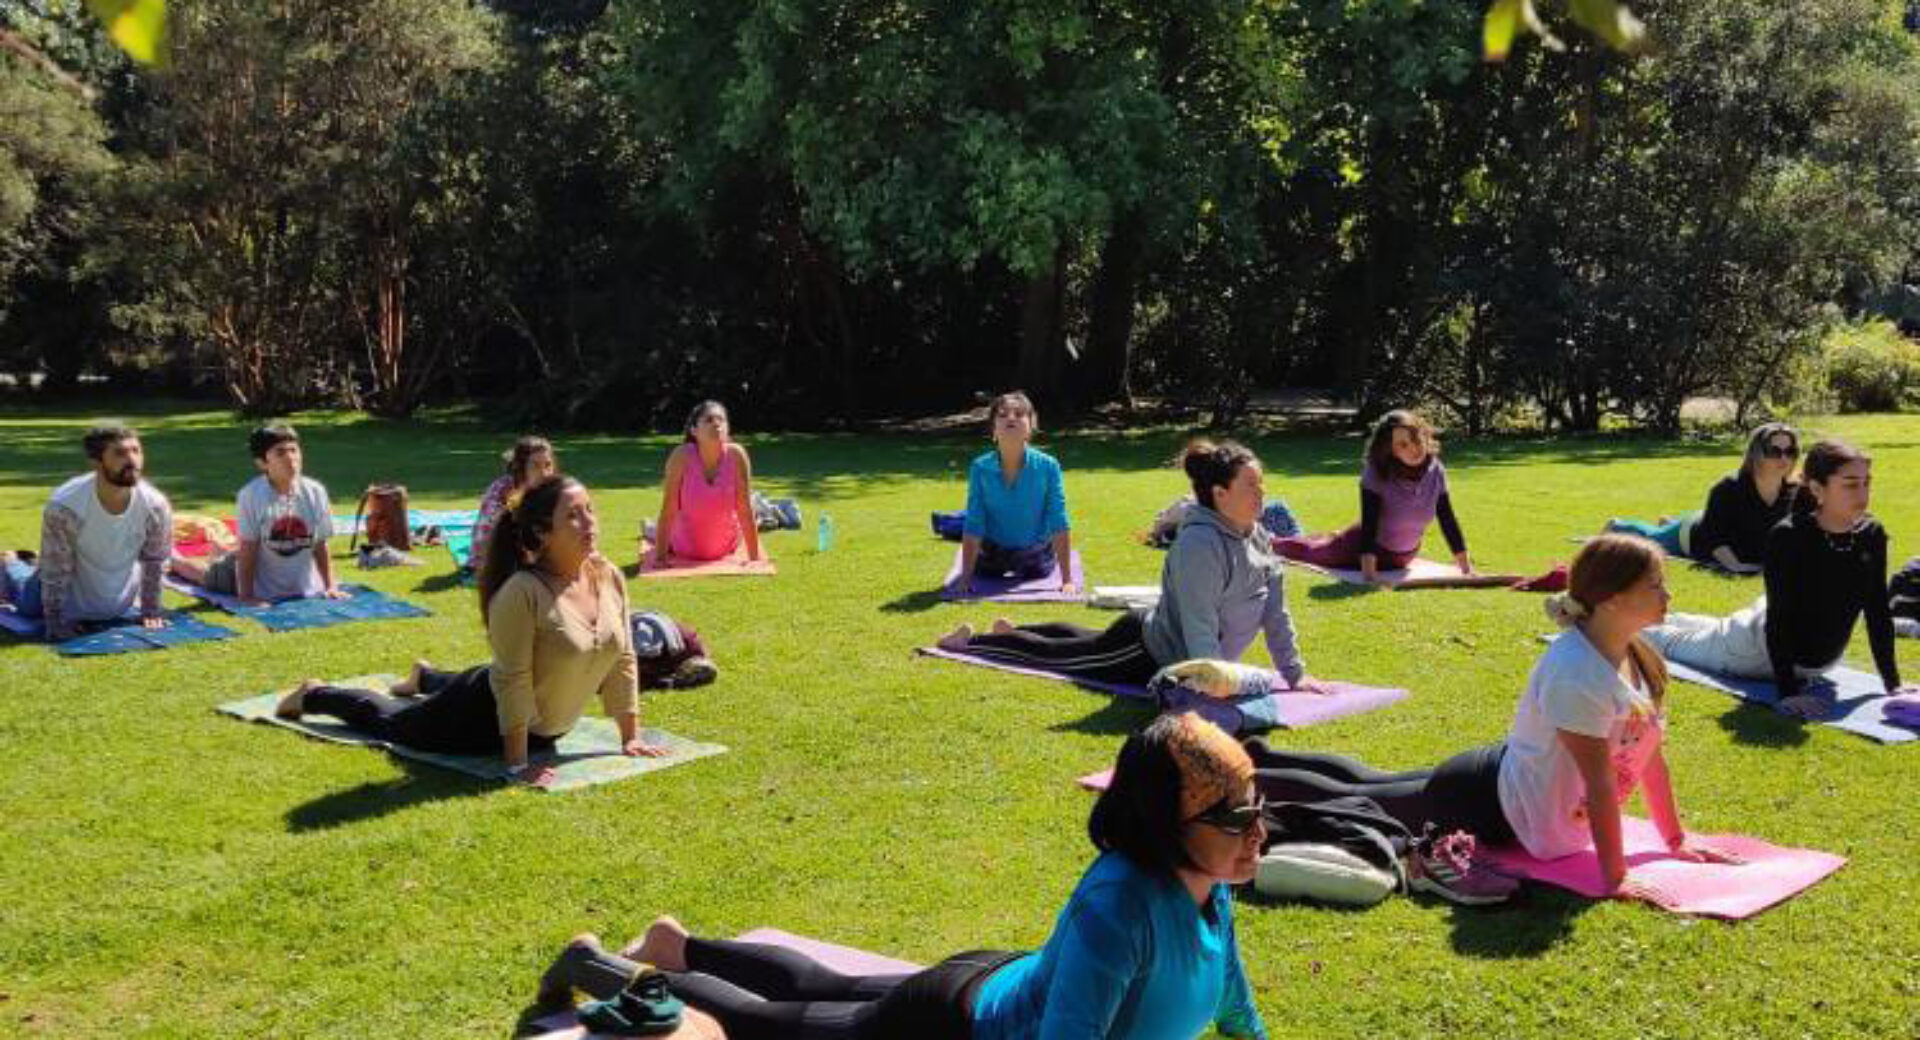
(1041,327)
(1110,323)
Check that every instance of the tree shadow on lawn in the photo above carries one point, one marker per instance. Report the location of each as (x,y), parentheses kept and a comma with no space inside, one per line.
(421,783)
(1527,926)
(1757,725)
(1338,590)
(913,602)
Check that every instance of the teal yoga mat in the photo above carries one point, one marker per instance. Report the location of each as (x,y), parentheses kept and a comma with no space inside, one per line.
(587,756)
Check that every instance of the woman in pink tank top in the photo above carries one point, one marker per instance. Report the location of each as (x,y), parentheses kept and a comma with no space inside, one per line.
(707,510)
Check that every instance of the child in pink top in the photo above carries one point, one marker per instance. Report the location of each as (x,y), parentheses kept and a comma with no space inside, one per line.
(707,511)
(1402,489)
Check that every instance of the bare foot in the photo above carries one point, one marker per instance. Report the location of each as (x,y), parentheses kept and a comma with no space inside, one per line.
(291,705)
(1001,626)
(556,986)
(664,946)
(410,686)
(958,638)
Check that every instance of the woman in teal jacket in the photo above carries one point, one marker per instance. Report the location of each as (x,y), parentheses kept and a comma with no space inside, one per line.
(1144,949)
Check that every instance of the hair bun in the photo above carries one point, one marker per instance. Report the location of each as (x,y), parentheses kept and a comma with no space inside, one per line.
(1564,610)
(1198,457)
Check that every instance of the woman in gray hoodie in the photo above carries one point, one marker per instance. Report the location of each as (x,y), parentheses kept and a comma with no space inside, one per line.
(1220,586)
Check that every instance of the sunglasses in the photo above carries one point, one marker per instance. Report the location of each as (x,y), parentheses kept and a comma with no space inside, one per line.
(1773,452)
(1233,819)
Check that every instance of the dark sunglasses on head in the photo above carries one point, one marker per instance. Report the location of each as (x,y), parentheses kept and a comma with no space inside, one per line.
(1233,819)
(1791,451)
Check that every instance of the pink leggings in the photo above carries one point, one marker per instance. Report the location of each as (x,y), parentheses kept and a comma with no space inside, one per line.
(1340,552)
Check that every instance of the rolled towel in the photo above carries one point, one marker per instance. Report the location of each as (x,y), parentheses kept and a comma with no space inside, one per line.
(1221,679)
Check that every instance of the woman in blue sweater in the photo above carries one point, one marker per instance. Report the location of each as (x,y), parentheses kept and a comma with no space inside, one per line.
(1144,949)
(1016,524)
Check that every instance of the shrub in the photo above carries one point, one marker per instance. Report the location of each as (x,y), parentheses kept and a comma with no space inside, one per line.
(1871,367)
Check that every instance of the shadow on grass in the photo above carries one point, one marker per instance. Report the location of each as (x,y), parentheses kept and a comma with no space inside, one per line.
(1338,590)
(422,783)
(913,602)
(1756,725)
(1527,926)
(1117,717)
(444,582)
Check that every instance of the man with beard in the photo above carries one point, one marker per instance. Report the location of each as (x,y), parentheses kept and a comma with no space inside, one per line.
(104,541)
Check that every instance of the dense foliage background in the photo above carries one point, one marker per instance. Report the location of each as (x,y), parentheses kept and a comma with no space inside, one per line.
(597,212)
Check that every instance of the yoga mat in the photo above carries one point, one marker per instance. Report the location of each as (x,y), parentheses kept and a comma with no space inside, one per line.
(844,959)
(120,637)
(1124,597)
(1097,781)
(445,519)
(1858,699)
(289,615)
(736,566)
(1045,589)
(1420,574)
(1287,710)
(1769,874)
(587,756)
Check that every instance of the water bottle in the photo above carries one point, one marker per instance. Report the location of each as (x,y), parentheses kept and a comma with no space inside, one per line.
(823,533)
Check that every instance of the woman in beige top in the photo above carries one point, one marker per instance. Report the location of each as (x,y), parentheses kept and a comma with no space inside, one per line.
(556,616)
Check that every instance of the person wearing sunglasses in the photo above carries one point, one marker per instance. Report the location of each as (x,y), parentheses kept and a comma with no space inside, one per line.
(1731,533)
(1826,567)
(1145,948)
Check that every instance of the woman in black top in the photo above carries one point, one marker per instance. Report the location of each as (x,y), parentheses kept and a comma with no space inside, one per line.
(1825,566)
(1742,508)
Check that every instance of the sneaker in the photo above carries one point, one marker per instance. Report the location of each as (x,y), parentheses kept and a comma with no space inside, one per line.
(374,556)
(1906,626)
(1448,866)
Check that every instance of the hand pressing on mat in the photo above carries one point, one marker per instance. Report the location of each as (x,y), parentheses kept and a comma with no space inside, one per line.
(1370,568)
(336,592)
(1810,707)
(532,774)
(1463,561)
(638,748)
(156,621)
(1633,888)
(1308,684)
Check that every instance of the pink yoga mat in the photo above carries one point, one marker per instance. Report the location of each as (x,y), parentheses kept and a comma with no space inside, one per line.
(1295,710)
(1008,590)
(736,566)
(844,959)
(1097,781)
(1420,574)
(1769,875)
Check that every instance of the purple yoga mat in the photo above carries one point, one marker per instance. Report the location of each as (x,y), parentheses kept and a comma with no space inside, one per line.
(1009,590)
(1295,709)
(844,959)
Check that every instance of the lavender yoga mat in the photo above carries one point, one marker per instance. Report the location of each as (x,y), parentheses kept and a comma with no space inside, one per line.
(844,959)
(1045,589)
(1768,874)
(1420,574)
(1291,710)
(1859,700)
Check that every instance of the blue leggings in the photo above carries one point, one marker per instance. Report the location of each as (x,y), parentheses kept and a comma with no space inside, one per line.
(1666,535)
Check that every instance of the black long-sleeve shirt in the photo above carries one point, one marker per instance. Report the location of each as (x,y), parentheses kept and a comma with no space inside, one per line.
(1738,518)
(1817,586)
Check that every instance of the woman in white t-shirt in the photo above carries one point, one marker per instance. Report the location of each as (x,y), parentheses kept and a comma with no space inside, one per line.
(1586,735)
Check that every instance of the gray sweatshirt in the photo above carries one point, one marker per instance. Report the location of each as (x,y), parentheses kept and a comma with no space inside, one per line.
(1217,589)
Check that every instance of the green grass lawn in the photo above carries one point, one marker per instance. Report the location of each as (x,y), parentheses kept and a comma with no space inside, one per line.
(167,871)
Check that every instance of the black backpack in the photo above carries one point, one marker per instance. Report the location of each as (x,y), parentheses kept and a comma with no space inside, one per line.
(1353,823)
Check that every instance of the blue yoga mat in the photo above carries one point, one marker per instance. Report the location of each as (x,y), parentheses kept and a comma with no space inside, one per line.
(120,637)
(445,519)
(1858,699)
(292,615)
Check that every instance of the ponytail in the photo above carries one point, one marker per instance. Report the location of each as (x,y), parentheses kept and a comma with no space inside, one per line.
(1210,466)
(518,534)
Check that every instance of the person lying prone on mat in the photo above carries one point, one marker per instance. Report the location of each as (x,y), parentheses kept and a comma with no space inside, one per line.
(556,617)
(1016,524)
(1403,488)
(104,541)
(706,508)
(1220,585)
(1742,509)
(1826,566)
(1145,948)
(285,519)
(1587,733)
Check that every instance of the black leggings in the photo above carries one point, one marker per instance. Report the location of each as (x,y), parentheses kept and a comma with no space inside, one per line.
(1462,793)
(454,715)
(762,992)
(1117,655)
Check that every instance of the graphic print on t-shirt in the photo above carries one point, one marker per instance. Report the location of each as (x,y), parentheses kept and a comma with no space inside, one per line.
(287,534)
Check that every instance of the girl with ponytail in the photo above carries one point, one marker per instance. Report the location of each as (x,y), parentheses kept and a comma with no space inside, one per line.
(528,462)
(556,617)
(1219,588)
(1826,565)
(1587,732)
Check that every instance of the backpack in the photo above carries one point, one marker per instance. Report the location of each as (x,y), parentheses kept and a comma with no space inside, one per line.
(1903,590)
(1345,851)
(385,508)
